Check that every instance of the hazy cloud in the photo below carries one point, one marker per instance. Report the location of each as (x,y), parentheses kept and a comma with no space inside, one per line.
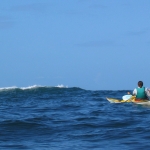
(138,32)
(40,77)
(35,7)
(93,3)
(102,43)
(98,6)
(6,22)
(148,42)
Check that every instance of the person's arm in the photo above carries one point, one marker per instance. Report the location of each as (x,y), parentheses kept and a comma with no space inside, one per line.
(135,92)
(147,90)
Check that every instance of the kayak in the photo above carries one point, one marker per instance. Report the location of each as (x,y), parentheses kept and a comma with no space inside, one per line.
(131,100)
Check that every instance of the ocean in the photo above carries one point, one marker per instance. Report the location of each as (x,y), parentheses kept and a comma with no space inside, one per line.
(63,118)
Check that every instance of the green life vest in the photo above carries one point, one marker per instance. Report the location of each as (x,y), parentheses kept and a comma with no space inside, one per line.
(141,93)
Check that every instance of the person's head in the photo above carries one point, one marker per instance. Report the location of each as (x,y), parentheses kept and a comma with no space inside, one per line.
(140,84)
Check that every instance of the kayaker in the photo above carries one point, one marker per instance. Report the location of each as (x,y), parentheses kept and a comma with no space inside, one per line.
(140,92)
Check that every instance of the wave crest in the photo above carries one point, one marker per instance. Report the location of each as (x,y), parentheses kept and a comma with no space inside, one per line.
(61,86)
(32,87)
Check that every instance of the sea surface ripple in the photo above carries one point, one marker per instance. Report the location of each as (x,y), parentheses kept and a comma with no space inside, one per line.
(55,118)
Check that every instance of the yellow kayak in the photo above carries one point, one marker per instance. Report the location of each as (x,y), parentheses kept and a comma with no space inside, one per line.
(131,100)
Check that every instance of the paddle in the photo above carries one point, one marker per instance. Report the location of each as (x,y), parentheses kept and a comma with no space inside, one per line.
(128,97)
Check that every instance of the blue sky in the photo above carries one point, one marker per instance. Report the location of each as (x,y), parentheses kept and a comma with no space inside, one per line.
(92,44)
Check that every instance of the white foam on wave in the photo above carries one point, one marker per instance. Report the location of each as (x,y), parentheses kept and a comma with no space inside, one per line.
(8,88)
(22,88)
(31,87)
(61,86)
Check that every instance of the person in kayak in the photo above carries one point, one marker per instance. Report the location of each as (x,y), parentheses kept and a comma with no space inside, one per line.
(140,92)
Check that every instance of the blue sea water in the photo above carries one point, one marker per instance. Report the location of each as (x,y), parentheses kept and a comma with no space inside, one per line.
(59,118)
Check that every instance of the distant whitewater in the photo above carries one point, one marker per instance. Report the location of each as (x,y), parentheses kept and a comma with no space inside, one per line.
(61,117)
(32,87)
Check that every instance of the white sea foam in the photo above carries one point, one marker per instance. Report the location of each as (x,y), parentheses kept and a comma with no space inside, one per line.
(31,87)
(61,86)
(8,88)
(22,88)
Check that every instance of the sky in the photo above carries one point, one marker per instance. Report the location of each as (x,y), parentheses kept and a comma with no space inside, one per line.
(91,44)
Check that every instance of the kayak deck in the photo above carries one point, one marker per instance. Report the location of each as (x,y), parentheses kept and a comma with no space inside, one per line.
(131,100)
